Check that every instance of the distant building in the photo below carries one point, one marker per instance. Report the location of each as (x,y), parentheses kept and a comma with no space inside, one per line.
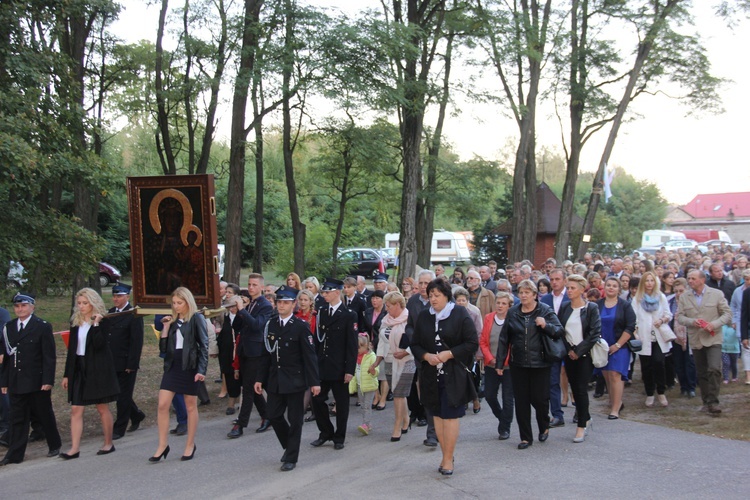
(728,212)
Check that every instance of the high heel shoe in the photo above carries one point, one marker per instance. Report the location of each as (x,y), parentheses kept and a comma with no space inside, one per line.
(394,439)
(404,431)
(185,458)
(164,454)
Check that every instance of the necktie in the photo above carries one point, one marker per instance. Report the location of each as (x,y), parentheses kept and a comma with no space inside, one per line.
(20,330)
(330,312)
(281,323)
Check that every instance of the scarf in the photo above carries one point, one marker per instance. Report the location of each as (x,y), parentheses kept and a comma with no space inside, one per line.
(439,316)
(650,303)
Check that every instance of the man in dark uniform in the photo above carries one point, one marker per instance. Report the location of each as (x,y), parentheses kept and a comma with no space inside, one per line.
(125,336)
(249,350)
(288,367)
(362,289)
(355,302)
(336,341)
(27,376)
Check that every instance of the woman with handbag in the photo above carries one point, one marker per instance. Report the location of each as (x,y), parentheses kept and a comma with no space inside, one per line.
(583,328)
(184,342)
(618,325)
(652,318)
(531,332)
(444,342)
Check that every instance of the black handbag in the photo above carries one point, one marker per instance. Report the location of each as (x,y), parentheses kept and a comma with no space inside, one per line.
(635,345)
(553,349)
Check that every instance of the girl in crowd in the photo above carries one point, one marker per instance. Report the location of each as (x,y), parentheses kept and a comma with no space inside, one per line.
(90,376)
(543,286)
(458,277)
(652,318)
(407,287)
(184,343)
(618,325)
(292,280)
(365,381)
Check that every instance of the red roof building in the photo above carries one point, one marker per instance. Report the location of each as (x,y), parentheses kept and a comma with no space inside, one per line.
(719,206)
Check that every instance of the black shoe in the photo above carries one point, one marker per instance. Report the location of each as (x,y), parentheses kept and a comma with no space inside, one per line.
(164,454)
(389,397)
(185,458)
(284,458)
(72,456)
(523,445)
(205,403)
(106,452)
(217,381)
(556,422)
(230,410)
(338,446)
(543,436)
(421,422)
(4,440)
(612,417)
(36,436)
(432,443)
(7,461)
(235,432)
(504,435)
(288,466)
(318,442)
(116,436)
(264,425)
(180,430)
(55,452)
(136,422)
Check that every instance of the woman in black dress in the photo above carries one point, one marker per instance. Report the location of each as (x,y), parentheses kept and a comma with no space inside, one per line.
(184,342)
(225,340)
(90,376)
(444,342)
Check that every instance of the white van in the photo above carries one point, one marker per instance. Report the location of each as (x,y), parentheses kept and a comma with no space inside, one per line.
(657,237)
(447,247)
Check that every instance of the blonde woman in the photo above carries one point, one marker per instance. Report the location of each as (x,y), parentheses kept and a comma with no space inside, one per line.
(90,376)
(184,342)
(652,315)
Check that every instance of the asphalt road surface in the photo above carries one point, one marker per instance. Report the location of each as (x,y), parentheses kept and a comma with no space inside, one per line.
(620,459)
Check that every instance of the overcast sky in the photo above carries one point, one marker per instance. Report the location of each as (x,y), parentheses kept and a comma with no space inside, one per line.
(683,155)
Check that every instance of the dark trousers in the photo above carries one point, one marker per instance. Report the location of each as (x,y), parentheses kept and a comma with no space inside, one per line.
(22,406)
(684,366)
(531,388)
(288,433)
(555,393)
(416,410)
(249,375)
(234,386)
(127,410)
(708,366)
(652,370)
(579,373)
(4,414)
(492,384)
(180,410)
(341,396)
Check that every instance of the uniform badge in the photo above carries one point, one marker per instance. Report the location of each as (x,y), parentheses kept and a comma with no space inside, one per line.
(355,327)
(310,339)
(272,337)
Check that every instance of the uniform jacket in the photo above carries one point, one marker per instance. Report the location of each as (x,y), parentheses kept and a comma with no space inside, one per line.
(358,305)
(713,309)
(100,377)
(253,321)
(294,366)
(591,327)
(524,340)
(34,362)
(336,343)
(458,335)
(125,336)
(624,317)
(194,345)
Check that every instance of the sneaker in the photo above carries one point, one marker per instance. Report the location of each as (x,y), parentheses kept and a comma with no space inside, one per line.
(662,400)
(364,429)
(650,401)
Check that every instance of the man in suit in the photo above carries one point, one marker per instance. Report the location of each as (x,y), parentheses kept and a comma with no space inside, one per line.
(27,376)
(355,302)
(703,311)
(720,282)
(362,289)
(336,342)
(415,305)
(249,350)
(556,298)
(287,368)
(125,336)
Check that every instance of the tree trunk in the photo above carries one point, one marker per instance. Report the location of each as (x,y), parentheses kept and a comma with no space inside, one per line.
(188,94)
(238,138)
(530,225)
(167,159)
(644,48)
(259,183)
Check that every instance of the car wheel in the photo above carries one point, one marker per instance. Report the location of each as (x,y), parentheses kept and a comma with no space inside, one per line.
(103,280)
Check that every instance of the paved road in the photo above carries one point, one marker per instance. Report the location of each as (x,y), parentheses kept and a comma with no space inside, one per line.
(620,459)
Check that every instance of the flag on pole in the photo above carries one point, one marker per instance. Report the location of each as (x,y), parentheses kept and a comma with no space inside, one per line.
(608,178)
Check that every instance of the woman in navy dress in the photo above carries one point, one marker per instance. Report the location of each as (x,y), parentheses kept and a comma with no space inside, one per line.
(618,325)
(184,342)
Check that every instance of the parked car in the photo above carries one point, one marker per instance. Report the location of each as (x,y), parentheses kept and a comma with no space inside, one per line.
(389,257)
(685,245)
(365,262)
(718,243)
(108,274)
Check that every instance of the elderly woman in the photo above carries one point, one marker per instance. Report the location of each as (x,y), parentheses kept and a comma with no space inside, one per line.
(618,325)
(393,328)
(493,324)
(90,375)
(652,315)
(444,342)
(522,336)
(583,328)
(461,297)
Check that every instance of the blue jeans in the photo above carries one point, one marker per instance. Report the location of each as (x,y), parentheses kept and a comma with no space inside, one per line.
(492,384)
(684,366)
(555,394)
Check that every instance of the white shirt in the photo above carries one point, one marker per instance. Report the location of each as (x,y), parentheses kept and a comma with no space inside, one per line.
(333,307)
(557,300)
(179,340)
(284,320)
(121,309)
(22,324)
(574,328)
(83,332)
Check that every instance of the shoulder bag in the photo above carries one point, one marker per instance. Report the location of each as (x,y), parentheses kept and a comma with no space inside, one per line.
(600,353)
